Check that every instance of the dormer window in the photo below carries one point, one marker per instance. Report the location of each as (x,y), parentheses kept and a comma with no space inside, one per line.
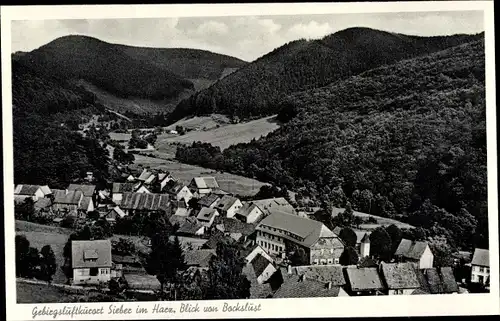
(90,255)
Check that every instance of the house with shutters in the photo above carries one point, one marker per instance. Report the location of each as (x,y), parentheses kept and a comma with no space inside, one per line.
(91,261)
(480,266)
(280,233)
(228,206)
(417,252)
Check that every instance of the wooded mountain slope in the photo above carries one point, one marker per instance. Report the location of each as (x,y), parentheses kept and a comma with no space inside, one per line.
(387,140)
(128,71)
(255,89)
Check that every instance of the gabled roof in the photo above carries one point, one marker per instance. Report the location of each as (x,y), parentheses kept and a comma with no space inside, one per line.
(295,287)
(205,182)
(125,187)
(42,203)
(208,200)
(87,254)
(259,264)
(364,279)
(24,189)
(411,249)
(215,238)
(337,230)
(448,278)
(176,188)
(206,214)
(189,227)
(400,276)
(230,225)
(67,197)
(118,211)
(308,230)
(144,201)
(199,258)
(321,273)
(145,175)
(87,190)
(84,204)
(275,205)
(437,281)
(45,189)
(481,257)
(247,208)
(365,238)
(226,202)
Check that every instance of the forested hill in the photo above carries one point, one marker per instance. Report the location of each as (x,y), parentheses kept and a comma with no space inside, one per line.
(301,65)
(45,112)
(126,71)
(387,140)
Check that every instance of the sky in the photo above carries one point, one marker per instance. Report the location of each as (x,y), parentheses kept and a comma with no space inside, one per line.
(244,37)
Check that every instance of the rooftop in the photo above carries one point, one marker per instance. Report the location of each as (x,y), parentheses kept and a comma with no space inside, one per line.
(205,182)
(24,189)
(230,225)
(481,257)
(206,214)
(259,264)
(208,200)
(87,190)
(226,202)
(125,187)
(247,208)
(411,249)
(321,273)
(400,275)
(200,258)
(364,279)
(144,201)
(67,197)
(87,254)
(298,287)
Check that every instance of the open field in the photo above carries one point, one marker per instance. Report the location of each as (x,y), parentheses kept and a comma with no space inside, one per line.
(225,135)
(228,182)
(381,221)
(38,293)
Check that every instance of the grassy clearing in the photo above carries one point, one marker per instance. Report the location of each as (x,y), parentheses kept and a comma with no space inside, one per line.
(39,293)
(185,173)
(225,135)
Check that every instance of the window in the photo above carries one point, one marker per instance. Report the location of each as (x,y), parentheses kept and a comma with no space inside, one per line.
(104,271)
(487,270)
(315,261)
(330,261)
(83,272)
(94,271)
(336,261)
(481,269)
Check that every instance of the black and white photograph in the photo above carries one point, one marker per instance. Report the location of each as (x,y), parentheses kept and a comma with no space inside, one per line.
(250,157)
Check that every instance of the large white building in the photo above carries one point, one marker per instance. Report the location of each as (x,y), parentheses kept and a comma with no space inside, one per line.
(480,266)
(91,261)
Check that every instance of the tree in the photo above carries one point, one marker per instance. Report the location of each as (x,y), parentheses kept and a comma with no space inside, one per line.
(442,251)
(349,256)
(348,236)
(22,250)
(396,236)
(124,247)
(118,285)
(225,275)
(25,210)
(380,243)
(48,264)
(68,221)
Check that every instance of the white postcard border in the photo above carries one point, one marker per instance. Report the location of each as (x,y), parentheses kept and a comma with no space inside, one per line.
(430,305)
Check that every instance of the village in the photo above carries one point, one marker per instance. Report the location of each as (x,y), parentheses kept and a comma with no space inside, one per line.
(286,253)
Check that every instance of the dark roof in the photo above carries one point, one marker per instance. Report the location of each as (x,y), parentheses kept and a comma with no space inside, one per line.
(297,287)
(208,200)
(230,225)
(200,258)
(42,203)
(422,280)
(87,254)
(226,202)
(26,189)
(145,201)
(400,275)
(481,257)
(125,187)
(85,202)
(321,273)
(437,281)
(364,279)
(189,227)
(88,190)
(177,186)
(434,280)
(367,262)
(247,208)
(411,249)
(259,264)
(67,197)
(309,230)
(215,238)
(124,259)
(449,283)
(366,238)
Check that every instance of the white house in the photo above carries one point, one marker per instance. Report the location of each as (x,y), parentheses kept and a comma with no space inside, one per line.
(249,213)
(23,191)
(204,185)
(228,206)
(417,252)
(181,192)
(252,252)
(480,266)
(120,188)
(206,216)
(91,261)
(365,246)
(263,268)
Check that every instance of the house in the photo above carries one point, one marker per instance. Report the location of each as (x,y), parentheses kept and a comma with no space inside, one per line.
(91,261)
(400,278)
(277,204)
(364,281)
(113,214)
(228,206)
(263,268)
(43,204)
(249,213)
(332,274)
(120,188)
(163,178)
(24,191)
(67,201)
(198,258)
(180,208)
(257,290)
(204,185)
(209,200)
(235,229)
(133,202)
(364,246)
(206,216)
(191,227)
(87,190)
(417,252)
(436,281)
(279,233)
(298,286)
(480,266)
(215,238)
(179,192)
(250,253)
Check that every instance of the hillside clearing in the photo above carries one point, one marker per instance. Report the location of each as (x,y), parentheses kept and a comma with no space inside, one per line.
(225,135)
(38,293)
(229,182)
